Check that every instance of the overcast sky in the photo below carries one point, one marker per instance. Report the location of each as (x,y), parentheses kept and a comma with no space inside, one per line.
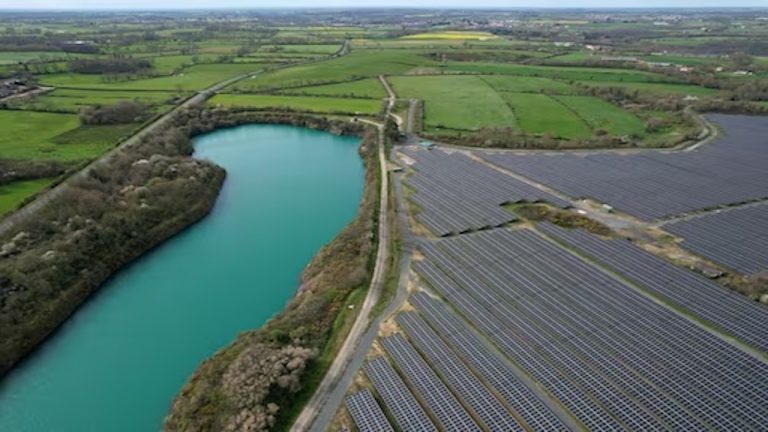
(198,4)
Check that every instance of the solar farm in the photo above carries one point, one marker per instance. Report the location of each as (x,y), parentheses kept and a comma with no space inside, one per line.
(654,185)
(519,325)
(737,238)
(515,332)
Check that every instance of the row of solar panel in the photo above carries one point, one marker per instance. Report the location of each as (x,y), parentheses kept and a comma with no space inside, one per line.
(654,185)
(736,238)
(457,194)
(459,383)
(727,310)
(611,356)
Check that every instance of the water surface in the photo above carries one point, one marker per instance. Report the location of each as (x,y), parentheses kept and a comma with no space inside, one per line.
(116,365)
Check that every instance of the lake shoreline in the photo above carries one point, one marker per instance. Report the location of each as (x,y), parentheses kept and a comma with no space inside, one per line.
(194,215)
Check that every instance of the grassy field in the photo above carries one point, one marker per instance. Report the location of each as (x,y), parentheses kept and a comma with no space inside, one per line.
(602,115)
(12,57)
(358,64)
(561,72)
(13,194)
(302,48)
(539,114)
(74,99)
(28,135)
(453,35)
(363,88)
(524,84)
(300,103)
(37,135)
(197,77)
(456,102)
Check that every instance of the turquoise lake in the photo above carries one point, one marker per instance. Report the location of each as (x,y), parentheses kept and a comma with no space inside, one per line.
(118,362)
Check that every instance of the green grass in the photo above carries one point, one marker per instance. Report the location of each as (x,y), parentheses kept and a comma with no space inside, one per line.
(74,99)
(366,88)
(523,84)
(453,35)
(574,57)
(13,57)
(197,77)
(307,48)
(357,64)
(37,135)
(460,102)
(539,114)
(13,194)
(561,72)
(300,103)
(28,135)
(603,115)
(97,138)
(680,59)
(165,65)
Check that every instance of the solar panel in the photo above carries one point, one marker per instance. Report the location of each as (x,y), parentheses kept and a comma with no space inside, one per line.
(655,185)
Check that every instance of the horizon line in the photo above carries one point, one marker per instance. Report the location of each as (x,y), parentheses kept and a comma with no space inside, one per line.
(318,8)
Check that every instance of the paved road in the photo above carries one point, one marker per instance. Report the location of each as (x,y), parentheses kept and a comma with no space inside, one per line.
(10,221)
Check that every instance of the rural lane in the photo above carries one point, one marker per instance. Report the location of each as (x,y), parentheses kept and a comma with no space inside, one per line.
(332,383)
(343,357)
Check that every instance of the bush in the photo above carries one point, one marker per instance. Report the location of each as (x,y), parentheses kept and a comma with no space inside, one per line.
(122,112)
(114,65)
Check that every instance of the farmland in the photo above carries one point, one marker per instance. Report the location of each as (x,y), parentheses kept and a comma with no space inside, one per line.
(458,102)
(38,130)
(576,214)
(319,104)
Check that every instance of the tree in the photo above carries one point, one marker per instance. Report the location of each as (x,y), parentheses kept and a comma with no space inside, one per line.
(741,59)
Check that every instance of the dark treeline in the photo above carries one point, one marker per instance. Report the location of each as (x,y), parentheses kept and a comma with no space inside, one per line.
(12,170)
(121,112)
(112,65)
(58,256)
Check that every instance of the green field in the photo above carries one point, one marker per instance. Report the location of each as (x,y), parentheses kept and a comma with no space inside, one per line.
(167,64)
(73,100)
(37,135)
(299,48)
(363,88)
(13,194)
(197,77)
(561,72)
(300,103)
(602,115)
(358,64)
(524,84)
(453,35)
(29,134)
(12,57)
(455,102)
(539,114)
